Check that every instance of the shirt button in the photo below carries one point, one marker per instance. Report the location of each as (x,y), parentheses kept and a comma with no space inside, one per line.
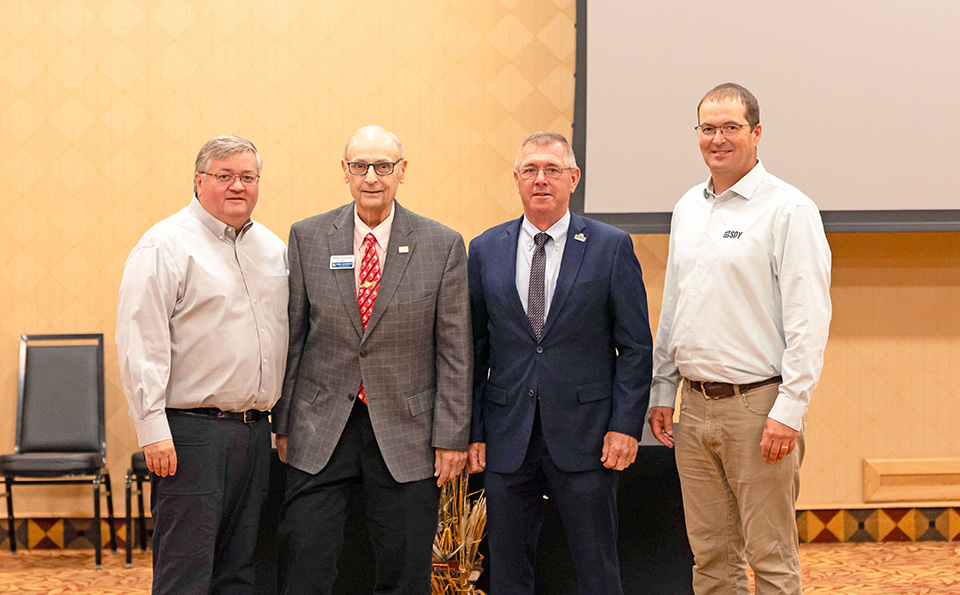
(716,206)
(255,300)
(699,265)
(539,349)
(262,331)
(263,391)
(264,360)
(688,326)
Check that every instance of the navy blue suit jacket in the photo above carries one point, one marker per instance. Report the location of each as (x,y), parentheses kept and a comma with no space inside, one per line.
(592,365)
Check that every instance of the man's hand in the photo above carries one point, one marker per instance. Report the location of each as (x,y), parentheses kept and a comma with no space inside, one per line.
(477,457)
(778,441)
(161,457)
(449,464)
(281,442)
(661,422)
(619,451)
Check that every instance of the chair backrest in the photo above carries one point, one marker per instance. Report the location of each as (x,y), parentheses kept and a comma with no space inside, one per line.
(60,394)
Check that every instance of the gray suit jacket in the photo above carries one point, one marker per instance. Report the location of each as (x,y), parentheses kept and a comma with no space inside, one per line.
(415,358)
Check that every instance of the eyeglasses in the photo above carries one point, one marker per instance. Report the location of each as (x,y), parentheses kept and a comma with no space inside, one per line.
(228,179)
(551,172)
(726,131)
(381,168)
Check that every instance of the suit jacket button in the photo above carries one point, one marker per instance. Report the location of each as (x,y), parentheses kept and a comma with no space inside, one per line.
(363,353)
(351,397)
(539,349)
(532,393)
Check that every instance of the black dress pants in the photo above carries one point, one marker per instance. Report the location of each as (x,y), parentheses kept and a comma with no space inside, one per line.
(206,515)
(402,518)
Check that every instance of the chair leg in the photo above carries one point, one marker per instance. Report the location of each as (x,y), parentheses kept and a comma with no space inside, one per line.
(110,515)
(141,520)
(129,553)
(95,533)
(10,520)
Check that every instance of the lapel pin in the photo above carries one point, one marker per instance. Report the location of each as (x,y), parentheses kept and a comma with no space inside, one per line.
(580,237)
(403,249)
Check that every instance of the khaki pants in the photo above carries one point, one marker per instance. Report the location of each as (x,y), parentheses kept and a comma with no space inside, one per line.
(739,508)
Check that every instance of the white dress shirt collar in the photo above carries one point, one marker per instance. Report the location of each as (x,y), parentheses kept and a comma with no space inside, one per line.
(746,186)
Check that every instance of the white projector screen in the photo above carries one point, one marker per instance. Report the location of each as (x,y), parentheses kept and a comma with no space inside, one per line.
(859,103)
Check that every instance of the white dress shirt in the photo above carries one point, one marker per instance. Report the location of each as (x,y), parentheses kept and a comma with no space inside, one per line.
(746,294)
(201,319)
(554,252)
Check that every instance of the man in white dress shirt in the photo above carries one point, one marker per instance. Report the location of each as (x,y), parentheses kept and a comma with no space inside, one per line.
(746,310)
(202,341)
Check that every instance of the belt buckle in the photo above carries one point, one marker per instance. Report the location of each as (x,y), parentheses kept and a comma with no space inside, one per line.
(248,416)
(706,395)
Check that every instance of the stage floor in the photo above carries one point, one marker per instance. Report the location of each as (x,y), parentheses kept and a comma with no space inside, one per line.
(861,568)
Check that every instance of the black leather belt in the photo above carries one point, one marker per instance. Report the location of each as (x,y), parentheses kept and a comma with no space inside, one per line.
(248,417)
(722,390)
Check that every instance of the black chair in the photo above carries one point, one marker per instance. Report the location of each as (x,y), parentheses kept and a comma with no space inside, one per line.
(137,472)
(60,437)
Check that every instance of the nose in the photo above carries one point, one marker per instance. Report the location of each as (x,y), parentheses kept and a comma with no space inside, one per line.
(371,175)
(235,183)
(541,176)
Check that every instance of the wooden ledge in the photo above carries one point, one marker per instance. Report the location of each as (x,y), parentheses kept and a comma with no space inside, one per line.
(914,480)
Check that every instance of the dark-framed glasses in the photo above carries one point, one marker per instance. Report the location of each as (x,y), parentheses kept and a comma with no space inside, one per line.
(227,179)
(381,168)
(551,172)
(727,130)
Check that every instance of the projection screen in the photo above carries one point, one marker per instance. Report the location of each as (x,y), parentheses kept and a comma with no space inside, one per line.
(858,104)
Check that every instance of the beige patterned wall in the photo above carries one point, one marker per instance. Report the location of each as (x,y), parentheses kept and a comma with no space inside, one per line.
(104,104)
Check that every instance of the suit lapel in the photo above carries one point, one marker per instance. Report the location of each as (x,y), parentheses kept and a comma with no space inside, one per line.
(401,234)
(339,242)
(508,272)
(569,268)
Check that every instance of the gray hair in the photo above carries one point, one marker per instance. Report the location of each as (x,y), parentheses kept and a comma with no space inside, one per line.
(371,129)
(545,139)
(221,147)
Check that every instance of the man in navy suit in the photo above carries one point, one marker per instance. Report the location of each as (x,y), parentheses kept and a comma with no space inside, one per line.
(562,355)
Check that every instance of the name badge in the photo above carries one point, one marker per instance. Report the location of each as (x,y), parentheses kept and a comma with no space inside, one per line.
(344,261)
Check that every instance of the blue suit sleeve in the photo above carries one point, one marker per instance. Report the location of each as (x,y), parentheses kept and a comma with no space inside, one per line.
(631,332)
(481,342)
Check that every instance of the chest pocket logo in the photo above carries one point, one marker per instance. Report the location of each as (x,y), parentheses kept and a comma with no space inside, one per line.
(735,235)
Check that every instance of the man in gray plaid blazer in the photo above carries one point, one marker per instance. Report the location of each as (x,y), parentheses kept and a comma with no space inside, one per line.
(374,398)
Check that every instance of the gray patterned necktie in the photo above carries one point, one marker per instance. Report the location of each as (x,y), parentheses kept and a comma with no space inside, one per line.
(536,297)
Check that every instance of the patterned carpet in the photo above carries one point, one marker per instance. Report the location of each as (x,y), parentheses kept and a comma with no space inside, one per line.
(931,568)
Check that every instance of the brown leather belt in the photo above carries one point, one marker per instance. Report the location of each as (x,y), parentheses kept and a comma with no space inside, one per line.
(722,390)
(248,417)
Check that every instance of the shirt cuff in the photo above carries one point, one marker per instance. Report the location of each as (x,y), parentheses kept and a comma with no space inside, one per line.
(153,430)
(663,394)
(789,412)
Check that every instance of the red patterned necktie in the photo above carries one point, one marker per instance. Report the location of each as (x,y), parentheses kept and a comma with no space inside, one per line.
(369,286)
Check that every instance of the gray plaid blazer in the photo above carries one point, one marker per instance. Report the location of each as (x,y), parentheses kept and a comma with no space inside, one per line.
(415,358)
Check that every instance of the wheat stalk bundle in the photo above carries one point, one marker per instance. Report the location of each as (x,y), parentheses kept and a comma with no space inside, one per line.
(462,520)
